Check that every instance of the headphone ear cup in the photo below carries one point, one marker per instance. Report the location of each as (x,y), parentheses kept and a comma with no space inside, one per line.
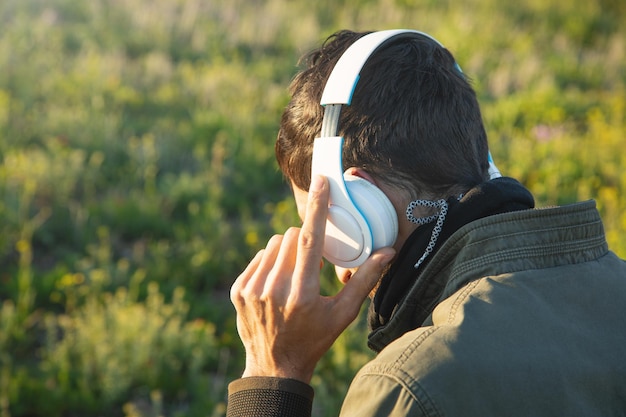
(376,208)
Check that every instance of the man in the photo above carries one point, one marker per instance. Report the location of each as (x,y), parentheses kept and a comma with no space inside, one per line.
(483,305)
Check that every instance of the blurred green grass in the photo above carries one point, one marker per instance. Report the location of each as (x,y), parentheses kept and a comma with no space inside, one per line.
(137,174)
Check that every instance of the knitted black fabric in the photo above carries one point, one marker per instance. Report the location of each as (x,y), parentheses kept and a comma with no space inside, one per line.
(266,396)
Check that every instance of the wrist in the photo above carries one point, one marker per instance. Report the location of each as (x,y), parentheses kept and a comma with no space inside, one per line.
(288,372)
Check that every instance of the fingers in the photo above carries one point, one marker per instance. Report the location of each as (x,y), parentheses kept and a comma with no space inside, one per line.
(253,279)
(311,239)
(362,283)
(244,278)
(293,258)
(279,280)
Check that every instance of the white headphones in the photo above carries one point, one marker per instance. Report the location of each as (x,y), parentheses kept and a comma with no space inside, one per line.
(361,219)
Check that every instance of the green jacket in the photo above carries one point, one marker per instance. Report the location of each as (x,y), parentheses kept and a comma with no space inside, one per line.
(531,322)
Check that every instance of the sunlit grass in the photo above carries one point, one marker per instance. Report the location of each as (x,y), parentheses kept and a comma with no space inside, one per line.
(137,174)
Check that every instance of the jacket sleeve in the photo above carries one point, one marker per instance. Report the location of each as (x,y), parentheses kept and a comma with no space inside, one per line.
(269,396)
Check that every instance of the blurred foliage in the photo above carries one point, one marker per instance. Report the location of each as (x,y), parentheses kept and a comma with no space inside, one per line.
(137,174)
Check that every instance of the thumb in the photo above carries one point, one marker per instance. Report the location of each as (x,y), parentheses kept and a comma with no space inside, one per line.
(365,279)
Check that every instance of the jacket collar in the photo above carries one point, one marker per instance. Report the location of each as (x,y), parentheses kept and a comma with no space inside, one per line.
(493,245)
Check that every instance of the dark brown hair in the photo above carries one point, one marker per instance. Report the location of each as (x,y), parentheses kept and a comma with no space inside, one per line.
(414,122)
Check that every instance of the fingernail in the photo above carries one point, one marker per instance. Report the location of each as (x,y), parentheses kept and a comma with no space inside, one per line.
(386,255)
(317,183)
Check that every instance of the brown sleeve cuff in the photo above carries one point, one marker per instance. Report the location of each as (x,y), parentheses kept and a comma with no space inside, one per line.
(269,396)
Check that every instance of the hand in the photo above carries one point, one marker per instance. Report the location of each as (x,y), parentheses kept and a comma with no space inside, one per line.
(286,326)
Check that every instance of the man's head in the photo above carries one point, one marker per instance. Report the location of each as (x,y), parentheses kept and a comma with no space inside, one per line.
(414,123)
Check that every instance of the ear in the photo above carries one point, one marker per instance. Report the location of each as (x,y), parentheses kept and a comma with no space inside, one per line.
(361,173)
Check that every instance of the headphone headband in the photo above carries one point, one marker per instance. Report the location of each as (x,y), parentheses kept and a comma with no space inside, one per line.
(345,75)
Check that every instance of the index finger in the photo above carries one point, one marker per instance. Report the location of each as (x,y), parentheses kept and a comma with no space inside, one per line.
(311,240)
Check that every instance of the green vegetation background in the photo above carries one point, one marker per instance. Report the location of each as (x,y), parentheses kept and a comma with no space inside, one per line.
(137,174)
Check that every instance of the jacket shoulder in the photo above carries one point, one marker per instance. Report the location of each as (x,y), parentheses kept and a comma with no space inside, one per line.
(389,385)
(513,344)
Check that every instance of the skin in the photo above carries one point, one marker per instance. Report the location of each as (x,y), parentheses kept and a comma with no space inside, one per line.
(286,326)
